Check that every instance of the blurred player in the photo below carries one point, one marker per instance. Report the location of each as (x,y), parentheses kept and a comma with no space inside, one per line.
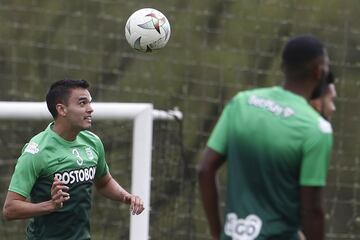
(57,168)
(324,102)
(277,149)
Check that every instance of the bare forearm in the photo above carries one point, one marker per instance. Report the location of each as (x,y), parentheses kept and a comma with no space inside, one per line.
(209,196)
(18,209)
(109,188)
(313,225)
(16,206)
(207,170)
(312,213)
(113,191)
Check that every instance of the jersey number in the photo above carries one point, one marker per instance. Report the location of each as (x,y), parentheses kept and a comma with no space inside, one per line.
(79,159)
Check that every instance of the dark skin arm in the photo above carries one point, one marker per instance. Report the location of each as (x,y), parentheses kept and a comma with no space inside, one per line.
(210,162)
(312,213)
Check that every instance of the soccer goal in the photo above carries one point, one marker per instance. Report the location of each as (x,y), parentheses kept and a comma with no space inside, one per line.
(142,115)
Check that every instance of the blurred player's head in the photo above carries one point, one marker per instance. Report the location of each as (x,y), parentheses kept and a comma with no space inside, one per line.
(323,102)
(305,62)
(60,92)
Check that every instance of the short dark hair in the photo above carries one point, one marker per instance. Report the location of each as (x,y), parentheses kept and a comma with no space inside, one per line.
(298,53)
(59,92)
(301,50)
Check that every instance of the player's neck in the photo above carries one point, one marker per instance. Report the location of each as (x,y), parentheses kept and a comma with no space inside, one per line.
(65,131)
(301,89)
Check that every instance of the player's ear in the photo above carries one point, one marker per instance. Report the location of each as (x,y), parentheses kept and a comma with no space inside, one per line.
(61,109)
(318,68)
(315,70)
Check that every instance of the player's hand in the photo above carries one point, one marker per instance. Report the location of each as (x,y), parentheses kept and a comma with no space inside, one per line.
(301,235)
(136,204)
(59,193)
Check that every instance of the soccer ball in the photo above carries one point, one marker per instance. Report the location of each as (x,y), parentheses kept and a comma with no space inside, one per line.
(147,29)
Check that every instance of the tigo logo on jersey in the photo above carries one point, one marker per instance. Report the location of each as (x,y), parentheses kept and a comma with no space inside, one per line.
(242,229)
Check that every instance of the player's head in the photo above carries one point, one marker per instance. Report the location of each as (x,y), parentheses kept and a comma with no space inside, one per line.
(305,61)
(323,102)
(60,91)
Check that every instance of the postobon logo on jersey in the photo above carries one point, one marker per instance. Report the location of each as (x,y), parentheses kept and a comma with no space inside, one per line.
(242,229)
(76,176)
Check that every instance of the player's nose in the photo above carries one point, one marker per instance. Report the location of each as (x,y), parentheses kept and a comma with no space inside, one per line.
(90,108)
(333,107)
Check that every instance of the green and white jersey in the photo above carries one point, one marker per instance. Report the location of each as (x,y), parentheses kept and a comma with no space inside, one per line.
(77,163)
(274,142)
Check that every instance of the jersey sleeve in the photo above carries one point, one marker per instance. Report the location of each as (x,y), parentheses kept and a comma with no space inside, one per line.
(27,170)
(219,137)
(102,168)
(316,155)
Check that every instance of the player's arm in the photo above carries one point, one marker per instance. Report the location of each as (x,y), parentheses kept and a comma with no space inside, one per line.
(313,175)
(111,189)
(207,169)
(17,207)
(312,213)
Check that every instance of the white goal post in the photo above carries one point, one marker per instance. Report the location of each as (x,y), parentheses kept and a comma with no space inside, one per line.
(142,114)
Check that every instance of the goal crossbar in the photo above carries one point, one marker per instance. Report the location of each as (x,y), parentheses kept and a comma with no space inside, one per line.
(102,110)
(142,115)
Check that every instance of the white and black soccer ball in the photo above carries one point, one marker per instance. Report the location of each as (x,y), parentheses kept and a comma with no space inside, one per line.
(147,29)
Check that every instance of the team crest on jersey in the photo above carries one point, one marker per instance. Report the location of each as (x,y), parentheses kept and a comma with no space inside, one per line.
(32,148)
(89,153)
(242,229)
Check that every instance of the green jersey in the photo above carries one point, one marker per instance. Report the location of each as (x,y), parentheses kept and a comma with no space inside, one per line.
(274,142)
(77,163)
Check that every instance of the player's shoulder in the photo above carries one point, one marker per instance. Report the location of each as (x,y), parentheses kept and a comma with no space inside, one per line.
(90,136)
(91,139)
(319,124)
(33,146)
(247,96)
(324,126)
(244,94)
(312,122)
(257,91)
